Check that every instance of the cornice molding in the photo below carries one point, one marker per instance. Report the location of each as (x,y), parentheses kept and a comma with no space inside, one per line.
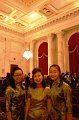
(57,20)
(53,21)
(3,28)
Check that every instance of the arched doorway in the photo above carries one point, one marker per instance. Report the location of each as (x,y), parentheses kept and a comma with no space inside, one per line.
(74,53)
(43,57)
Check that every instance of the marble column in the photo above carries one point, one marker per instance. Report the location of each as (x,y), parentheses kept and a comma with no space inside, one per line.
(31,59)
(50,50)
(60,50)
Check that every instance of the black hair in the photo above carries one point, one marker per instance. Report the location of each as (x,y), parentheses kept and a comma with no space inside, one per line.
(61,78)
(34,85)
(12,81)
(28,73)
(57,66)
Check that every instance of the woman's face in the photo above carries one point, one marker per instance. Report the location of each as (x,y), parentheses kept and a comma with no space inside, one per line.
(18,76)
(54,73)
(38,77)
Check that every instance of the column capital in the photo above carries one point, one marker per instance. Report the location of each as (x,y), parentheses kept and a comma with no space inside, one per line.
(60,33)
(51,35)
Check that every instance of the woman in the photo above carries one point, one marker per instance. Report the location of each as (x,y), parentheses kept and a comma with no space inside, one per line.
(38,102)
(60,95)
(15,96)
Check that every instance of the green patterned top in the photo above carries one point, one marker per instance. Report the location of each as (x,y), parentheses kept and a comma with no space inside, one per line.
(61,101)
(15,102)
(38,105)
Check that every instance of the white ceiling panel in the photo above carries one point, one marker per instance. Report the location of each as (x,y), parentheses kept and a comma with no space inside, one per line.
(26,15)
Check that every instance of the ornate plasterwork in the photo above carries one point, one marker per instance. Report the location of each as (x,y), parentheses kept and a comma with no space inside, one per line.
(60,19)
(18,22)
(11,31)
(26,3)
(52,22)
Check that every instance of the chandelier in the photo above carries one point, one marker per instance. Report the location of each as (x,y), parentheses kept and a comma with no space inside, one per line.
(27,54)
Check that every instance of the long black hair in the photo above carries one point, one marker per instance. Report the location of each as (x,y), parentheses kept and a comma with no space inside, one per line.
(12,81)
(34,85)
(61,78)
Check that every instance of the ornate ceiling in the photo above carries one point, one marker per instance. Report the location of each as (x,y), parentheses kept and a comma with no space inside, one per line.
(26,15)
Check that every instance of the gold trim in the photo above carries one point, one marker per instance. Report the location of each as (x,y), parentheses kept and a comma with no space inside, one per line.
(43,55)
(76,48)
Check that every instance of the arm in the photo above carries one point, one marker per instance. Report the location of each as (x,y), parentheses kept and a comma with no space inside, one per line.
(8,115)
(27,107)
(49,104)
(69,116)
(8,103)
(68,97)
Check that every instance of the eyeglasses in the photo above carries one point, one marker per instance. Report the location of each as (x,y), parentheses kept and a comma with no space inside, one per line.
(17,75)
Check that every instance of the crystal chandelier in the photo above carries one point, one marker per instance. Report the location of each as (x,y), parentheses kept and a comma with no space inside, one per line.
(27,54)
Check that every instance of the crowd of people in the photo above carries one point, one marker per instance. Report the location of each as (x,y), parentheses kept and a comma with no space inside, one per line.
(71,79)
(39,98)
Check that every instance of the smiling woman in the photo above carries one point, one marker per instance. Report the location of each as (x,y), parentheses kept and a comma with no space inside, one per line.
(38,102)
(61,95)
(15,96)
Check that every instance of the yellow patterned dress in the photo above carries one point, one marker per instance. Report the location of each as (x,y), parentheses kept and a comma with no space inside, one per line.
(15,102)
(38,105)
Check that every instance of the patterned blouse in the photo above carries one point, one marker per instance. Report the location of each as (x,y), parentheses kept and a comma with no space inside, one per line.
(15,102)
(61,101)
(38,106)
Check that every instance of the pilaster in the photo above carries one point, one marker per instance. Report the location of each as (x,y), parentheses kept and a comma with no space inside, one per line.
(50,49)
(31,59)
(60,50)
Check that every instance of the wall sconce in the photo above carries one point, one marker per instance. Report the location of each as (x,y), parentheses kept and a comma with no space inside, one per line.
(27,54)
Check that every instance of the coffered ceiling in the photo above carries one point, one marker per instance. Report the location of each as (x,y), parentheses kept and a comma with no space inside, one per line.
(26,15)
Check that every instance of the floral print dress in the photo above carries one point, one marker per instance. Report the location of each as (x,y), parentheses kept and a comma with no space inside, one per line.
(15,102)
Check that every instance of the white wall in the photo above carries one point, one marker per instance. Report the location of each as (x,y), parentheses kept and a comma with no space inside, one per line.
(11,50)
(15,44)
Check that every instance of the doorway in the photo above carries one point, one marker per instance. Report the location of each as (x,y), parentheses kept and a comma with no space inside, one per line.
(74,53)
(12,66)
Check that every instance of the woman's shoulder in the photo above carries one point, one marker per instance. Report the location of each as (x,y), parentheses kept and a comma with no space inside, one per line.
(23,86)
(30,89)
(47,89)
(66,86)
(9,89)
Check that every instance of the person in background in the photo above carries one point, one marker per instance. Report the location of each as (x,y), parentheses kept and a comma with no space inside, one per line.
(38,101)
(15,96)
(76,79)
(48,81)
(60,95)
(6,81)
(27,81)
